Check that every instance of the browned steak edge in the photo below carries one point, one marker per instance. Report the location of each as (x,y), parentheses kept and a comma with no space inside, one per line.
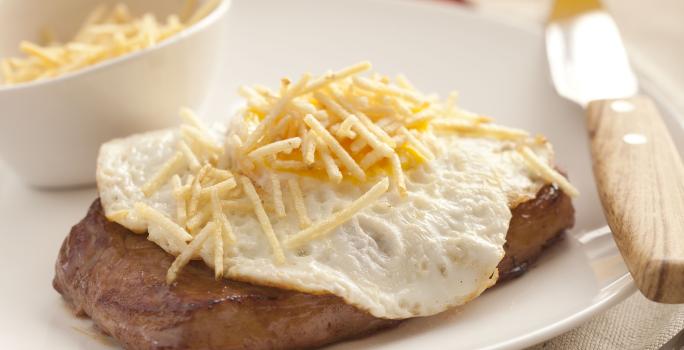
(117,278)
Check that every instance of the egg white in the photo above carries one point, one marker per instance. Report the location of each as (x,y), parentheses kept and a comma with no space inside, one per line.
(401,257)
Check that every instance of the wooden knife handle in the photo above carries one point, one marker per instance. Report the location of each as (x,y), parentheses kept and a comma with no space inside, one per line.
(640,179)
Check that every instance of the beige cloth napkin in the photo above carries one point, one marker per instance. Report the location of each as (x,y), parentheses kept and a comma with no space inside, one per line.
(653,32)
(635,324)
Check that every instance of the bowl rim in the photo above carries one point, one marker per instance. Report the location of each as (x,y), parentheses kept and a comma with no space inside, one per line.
(216,14)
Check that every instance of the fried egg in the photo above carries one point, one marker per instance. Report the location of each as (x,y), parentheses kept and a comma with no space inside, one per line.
(418,255)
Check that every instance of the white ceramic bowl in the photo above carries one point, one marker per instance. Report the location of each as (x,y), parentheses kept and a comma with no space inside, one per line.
(51,130)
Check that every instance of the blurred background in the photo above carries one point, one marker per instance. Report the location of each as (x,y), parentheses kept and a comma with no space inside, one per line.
(653,32)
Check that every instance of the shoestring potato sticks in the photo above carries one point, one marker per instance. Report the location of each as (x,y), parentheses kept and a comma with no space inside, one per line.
(106,33)
(337,127)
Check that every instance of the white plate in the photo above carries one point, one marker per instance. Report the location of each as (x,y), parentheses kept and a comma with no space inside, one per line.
(499,69)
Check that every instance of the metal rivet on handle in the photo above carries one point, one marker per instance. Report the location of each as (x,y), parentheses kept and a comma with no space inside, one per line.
(635,139)
(622,106)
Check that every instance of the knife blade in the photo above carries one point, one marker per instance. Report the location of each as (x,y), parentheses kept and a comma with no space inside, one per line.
(586,56)
(638,171)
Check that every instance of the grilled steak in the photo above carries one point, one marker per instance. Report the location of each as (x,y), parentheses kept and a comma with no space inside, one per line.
(118,279)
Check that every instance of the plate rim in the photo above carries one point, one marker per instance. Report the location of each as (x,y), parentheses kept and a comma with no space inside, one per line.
(571,322)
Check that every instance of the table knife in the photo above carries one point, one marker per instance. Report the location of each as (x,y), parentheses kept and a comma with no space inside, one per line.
(638,170)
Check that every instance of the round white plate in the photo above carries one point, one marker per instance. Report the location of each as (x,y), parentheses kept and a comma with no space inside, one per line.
(500,70)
